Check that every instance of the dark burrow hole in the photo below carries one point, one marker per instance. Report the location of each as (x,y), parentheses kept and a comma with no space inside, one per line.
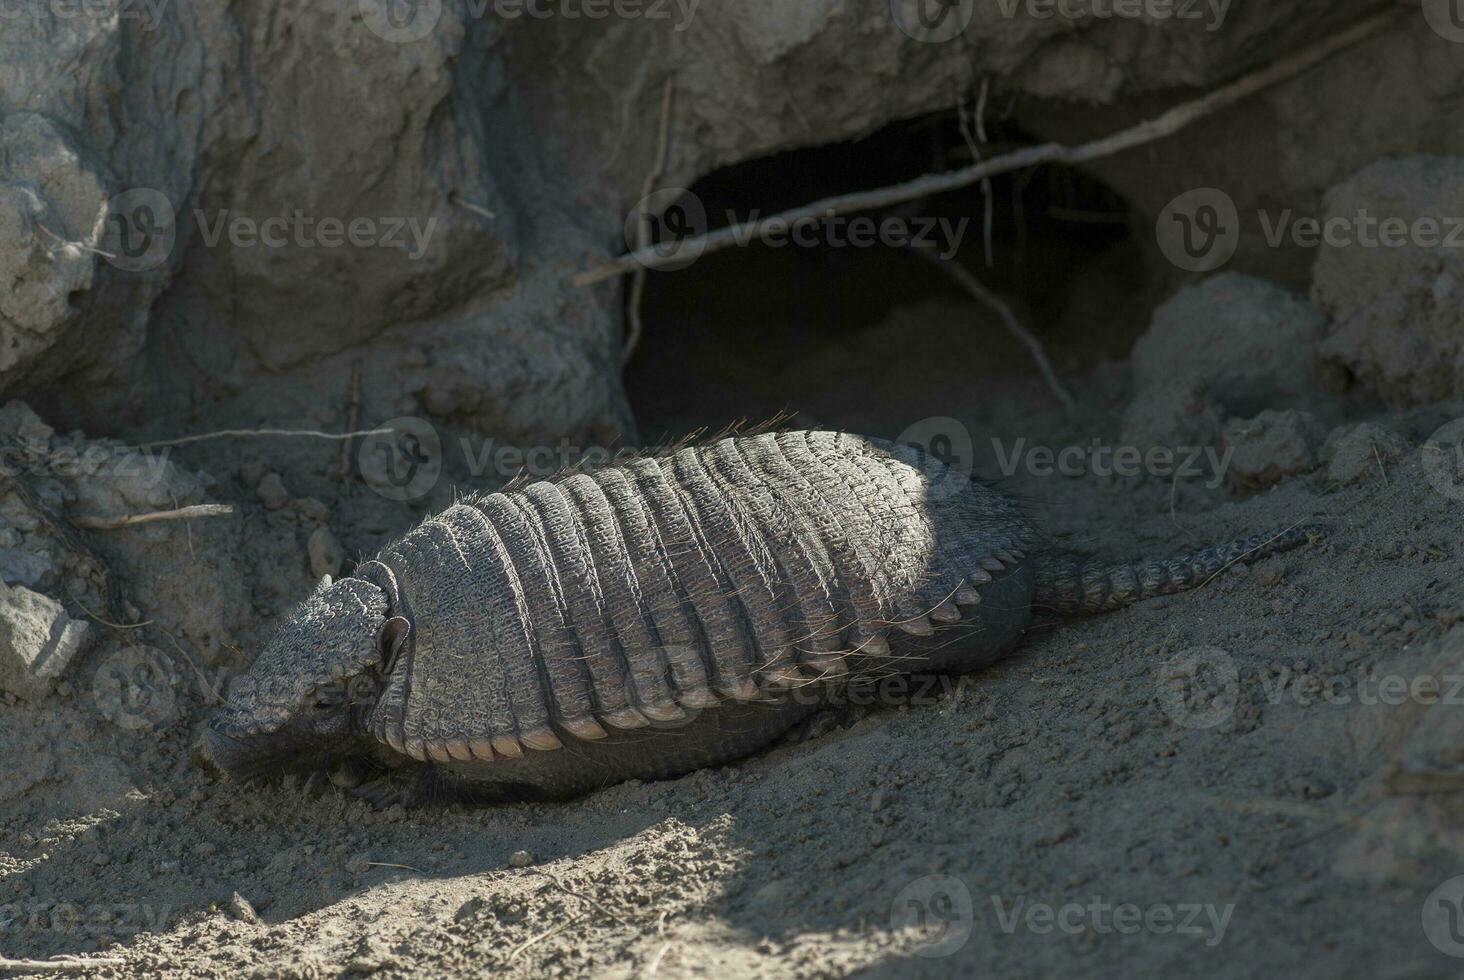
(857,335)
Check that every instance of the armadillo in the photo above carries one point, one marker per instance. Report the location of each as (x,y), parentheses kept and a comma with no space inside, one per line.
(645,620)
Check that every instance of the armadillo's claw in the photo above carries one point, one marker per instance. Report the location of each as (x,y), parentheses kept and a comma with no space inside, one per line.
(826,666)
(389,791)
(664,712)
(740,689)
(946,612)
(508,747)
(585,728)
(871,644)
(628,719)
(785,677)
(916,626)
(544,740)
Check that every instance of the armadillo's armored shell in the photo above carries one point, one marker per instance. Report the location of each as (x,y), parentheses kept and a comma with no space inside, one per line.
(601,600)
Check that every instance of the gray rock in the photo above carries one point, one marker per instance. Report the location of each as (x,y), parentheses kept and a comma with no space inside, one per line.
(243,910)
(1173,416)
(19,418)
(1360,452)
(325,553)
(38,642)
(1270,447)
(1247,341)
(1398,320)
(19,567)
(48,189)
(271,492)
(1231,346)
(185,574)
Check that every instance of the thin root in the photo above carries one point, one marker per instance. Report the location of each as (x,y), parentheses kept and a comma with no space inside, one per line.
(1165,124)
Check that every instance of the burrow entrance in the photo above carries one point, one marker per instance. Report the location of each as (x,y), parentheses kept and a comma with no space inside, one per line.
(863,337)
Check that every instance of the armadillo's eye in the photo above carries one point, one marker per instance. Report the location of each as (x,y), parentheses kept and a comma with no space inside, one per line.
(361,688)
(328,698)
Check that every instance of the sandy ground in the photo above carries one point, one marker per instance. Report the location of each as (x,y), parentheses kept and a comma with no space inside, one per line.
(1086,808)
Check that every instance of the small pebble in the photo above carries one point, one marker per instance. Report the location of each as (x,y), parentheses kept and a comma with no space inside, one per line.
(1268,575)
(520,859)
(271,492)
(311,508)
(240,909)
(325,553)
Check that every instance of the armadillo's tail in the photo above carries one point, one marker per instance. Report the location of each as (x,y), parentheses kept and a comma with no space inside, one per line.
(1066,584)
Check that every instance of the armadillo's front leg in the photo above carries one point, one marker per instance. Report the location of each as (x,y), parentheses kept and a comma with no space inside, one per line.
(405,787)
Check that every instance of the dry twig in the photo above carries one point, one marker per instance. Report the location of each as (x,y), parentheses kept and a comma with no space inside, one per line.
(83,246)
(967,281)
(259,433)
(1381,468)
(1165,124)
(107,622)
(567,923)
(655,963)
(642,231)
(477,209)
(203,681)
(101,523)
(60,965)
(582,897)
(353,415)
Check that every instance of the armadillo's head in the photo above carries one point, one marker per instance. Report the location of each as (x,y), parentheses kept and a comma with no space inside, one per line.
(303,701)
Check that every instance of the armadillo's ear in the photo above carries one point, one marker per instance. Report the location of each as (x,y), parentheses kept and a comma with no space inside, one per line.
(394,635)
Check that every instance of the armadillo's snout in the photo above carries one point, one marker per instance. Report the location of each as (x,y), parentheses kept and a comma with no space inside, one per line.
(225,752)
(236,757)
